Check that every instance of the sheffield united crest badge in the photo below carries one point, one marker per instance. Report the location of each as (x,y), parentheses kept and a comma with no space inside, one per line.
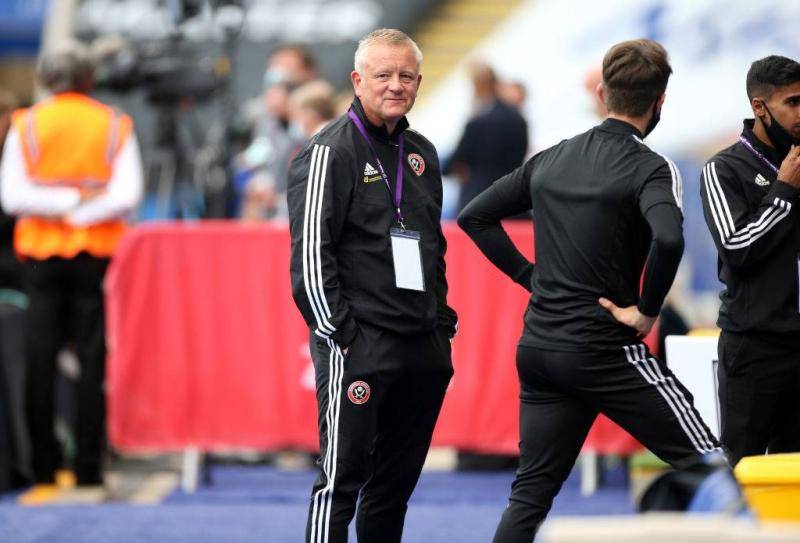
(358,392)
(417,163)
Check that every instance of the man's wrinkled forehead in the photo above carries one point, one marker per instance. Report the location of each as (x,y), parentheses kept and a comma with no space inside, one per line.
(381,56)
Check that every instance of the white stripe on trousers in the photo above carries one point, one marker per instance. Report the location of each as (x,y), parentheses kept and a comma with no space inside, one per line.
(321,512)
(312,263)
(680,398)
(677,396)
(690,412)
(636,355)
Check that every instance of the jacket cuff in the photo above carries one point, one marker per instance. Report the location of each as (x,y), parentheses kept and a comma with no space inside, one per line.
(649,310)
(448,320)
(452,330)
(525,277)
(346,333)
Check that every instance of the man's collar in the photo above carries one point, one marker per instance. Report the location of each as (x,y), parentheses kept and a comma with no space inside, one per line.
(486,106)
(378,132)
(620,127)
(770,152)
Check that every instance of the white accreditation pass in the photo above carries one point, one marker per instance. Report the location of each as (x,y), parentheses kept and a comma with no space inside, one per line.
(407,258)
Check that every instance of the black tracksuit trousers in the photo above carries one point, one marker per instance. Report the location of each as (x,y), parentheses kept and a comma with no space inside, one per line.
(759,392)
(378,405)
(562,393)
(65,304)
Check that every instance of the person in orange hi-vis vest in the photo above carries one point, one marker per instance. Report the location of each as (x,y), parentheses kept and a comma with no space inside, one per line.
(71,172)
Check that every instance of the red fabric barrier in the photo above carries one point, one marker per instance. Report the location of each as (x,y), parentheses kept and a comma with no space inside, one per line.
(207,349)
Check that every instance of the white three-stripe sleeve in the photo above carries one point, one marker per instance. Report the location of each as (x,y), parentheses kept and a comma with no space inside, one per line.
(315,220)
(744,235)
(664,185)
(676,183)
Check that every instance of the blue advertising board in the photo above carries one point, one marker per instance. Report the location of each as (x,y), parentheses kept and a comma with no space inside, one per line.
(21,26)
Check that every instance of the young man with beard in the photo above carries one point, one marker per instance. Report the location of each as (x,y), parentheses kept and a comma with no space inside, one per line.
(605,209)
(750,197)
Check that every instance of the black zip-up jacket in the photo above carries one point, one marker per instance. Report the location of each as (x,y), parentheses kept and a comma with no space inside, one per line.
(341,212)
(605,209)
(754,222)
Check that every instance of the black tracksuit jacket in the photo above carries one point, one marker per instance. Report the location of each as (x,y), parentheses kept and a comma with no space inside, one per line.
(341,212)
(605,207)
(754,222)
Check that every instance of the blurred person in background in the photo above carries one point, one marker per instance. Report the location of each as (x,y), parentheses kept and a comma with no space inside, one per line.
(494,141)
(513,93)
(288,67)
(592,83)
(341,102)
(71,172)
(606,210)
(10,269)
(14,469)
(750,197)
(368,275)
(264,165)
(309,109)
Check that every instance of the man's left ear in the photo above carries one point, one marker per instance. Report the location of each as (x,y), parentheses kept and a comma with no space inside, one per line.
(661,100)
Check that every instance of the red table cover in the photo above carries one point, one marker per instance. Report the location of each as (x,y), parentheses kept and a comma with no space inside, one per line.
(207,349)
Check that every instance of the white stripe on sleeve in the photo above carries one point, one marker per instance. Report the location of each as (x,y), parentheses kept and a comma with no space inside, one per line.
(312,263)
(720,212)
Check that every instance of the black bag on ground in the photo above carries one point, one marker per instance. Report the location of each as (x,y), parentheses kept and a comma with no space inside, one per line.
(707,486)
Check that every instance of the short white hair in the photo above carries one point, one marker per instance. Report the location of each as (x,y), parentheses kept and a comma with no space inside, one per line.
(386,36)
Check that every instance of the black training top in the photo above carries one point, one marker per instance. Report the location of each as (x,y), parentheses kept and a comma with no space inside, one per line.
(603,204)
(340,215)
(754,222)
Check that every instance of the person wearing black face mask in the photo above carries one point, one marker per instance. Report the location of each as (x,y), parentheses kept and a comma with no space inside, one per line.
(780,138)
(750,198)
(655,118)
(605,209)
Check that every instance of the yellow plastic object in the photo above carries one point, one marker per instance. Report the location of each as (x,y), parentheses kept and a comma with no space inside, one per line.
(65,479)
(704,332)
(771,485)
(39,495)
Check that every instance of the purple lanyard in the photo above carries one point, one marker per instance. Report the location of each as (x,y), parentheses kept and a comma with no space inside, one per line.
(398,194)
(758,154)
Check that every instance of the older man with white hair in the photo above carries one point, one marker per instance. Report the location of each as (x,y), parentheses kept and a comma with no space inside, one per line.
(368,275)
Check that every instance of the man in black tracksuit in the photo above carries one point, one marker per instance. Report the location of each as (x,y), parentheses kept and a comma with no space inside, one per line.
(381,351)
(750,197)
(605,208)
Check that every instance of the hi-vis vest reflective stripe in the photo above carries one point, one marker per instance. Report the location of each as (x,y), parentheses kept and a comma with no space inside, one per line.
(69,140)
